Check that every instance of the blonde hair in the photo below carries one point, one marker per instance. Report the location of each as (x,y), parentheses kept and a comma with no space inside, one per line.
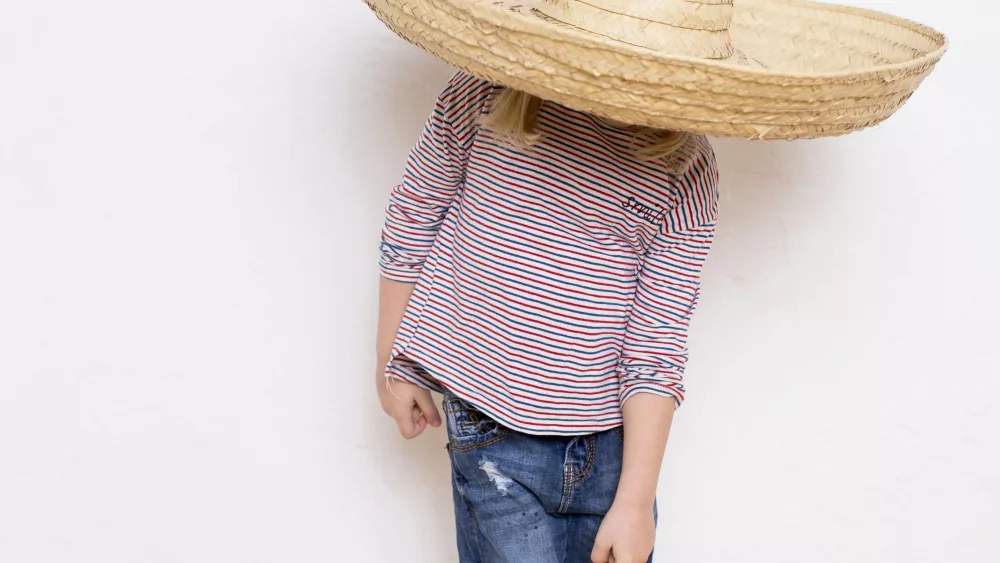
(514,118)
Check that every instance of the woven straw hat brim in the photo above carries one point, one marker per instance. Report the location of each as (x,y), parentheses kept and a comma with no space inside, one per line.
(799,69)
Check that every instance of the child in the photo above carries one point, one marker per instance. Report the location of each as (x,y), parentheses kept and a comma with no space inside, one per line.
(540,264)
(540,267)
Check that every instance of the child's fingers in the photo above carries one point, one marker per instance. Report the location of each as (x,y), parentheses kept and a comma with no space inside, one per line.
(412,424)
(601,554)
(418,427)
(429,410)
(407,420)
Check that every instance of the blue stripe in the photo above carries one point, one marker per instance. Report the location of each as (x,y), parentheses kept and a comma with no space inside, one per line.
(596,339)
(527,391)
(528,233)
(552,279)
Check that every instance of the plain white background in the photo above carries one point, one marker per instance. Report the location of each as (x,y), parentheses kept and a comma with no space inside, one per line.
(190,199)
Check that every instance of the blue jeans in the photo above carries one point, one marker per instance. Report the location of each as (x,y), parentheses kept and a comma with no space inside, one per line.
(528,499)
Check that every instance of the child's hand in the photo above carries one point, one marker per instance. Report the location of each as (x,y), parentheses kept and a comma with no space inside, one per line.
(626,535)
(410,406)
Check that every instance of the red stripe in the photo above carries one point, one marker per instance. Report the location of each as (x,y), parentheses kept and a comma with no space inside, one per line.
(567,191)
(618,300)
(530,331)
(499,340)
(566,403)
(600,253)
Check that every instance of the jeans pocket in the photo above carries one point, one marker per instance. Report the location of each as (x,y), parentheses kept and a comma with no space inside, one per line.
(468,427)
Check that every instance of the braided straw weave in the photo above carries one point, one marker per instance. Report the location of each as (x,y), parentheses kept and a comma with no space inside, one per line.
(774,69)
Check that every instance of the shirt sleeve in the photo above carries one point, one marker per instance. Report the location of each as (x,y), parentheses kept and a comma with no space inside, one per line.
(655,349)
(434,173)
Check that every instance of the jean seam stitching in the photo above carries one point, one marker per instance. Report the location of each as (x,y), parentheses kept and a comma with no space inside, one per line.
(588,465)
(567,488)
(501,434)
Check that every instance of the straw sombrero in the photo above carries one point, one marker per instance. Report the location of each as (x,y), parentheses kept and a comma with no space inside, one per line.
(775,69)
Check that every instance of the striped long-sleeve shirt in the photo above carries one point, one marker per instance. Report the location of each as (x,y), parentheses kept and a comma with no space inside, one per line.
(552,283)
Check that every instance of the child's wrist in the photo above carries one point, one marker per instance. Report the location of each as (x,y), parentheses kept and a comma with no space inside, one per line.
(639,500)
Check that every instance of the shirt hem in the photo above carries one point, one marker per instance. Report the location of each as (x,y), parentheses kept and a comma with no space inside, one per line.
(440,384)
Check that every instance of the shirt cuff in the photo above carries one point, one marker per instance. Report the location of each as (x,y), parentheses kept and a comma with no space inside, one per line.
(664,387)
(400,266)
(400,273)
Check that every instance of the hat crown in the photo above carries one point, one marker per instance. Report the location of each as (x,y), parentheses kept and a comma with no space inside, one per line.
(697,28)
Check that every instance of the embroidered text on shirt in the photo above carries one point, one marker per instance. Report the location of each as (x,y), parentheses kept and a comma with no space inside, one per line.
(649,214)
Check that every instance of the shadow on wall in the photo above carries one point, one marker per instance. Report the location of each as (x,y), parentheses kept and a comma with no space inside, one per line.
(391,95)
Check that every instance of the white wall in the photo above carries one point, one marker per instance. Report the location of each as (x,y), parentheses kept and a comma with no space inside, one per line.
(190,197)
